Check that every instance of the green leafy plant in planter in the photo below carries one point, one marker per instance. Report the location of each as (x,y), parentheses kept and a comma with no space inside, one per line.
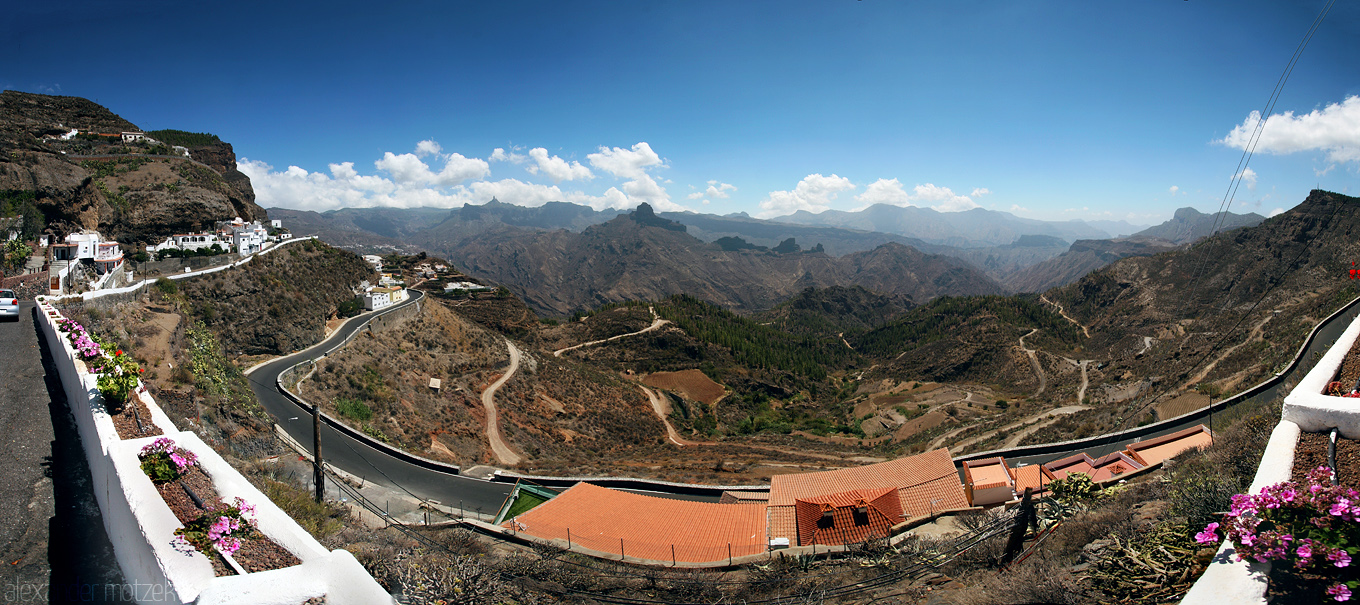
(118,377)
(163,461)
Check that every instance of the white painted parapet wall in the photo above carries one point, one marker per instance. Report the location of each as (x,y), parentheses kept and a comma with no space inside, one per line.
(87,296)
(142,527)
(1228,581)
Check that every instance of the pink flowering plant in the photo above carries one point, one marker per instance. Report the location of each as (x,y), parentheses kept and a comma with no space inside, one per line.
(1314,527)
(163,461)
(221,527)
(86,344)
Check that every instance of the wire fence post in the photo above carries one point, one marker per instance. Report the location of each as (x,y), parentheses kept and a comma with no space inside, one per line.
(729,554)
(672,555)
(621,555)
(568,538)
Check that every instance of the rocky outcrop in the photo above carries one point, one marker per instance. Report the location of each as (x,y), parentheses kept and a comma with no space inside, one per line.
(129,193)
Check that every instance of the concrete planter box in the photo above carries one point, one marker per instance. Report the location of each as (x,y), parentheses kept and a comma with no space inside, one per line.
(1306,410)
(141,526)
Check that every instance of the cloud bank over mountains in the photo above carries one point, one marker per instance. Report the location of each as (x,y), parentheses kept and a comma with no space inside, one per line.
(430,176)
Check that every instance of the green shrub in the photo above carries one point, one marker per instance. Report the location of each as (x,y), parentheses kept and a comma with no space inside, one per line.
(184,139)
(353,408)
(166,285)
(349,308)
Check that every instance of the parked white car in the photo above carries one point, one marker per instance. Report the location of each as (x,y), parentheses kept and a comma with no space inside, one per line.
(9,304)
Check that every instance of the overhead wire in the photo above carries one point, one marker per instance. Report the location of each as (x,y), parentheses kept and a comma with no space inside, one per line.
(1235,182)
(1249,149)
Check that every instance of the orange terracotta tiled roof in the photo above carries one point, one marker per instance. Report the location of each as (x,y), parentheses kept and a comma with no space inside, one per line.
(740,497)
(1076,463)
(987,473)
(650,527)
(848,517)
(1110,466)
(1159,449)
(783,523)
(1033,476)
(907,472)
(925,483)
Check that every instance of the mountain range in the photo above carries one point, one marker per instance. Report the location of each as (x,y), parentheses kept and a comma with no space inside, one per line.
(490,239)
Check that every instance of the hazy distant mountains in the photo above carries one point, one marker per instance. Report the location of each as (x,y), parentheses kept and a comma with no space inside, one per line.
(968,229)
(524,247)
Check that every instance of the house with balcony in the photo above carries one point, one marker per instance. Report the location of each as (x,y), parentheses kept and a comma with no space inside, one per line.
(99,257)
(193,242)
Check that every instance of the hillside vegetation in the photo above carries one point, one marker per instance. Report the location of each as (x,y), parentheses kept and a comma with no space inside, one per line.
(278,302)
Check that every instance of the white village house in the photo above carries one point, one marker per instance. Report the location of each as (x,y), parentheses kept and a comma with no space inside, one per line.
(88,248)
(236,234)
(378,298)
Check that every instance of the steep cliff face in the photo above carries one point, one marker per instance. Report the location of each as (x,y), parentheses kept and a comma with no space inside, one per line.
(136,193)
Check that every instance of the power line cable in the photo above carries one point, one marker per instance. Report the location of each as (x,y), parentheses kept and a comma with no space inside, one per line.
(1249,149)
(1234,183)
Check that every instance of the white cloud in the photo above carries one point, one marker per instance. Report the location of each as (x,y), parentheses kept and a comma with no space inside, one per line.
(1018,208)
(814,193)
(645,189)
(458,169)
(625,163)
(945,200)
(500,155)
(885,191)
(632,164)
(407,169)
(718,190)
(942,199)
(1174,189)
(1275,212)
(1334,129)
(1248,176)
(406,181)
(427,148)
(557,168)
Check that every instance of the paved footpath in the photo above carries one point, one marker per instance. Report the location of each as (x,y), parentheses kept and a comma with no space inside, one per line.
(52,542)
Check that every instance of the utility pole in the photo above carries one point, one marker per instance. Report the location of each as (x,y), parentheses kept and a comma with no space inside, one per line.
(318,477)
(1022,521)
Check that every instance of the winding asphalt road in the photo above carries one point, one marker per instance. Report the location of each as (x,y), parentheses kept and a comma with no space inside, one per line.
(358,457)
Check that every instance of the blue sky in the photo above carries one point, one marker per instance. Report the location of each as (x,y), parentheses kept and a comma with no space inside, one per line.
(1052,110)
